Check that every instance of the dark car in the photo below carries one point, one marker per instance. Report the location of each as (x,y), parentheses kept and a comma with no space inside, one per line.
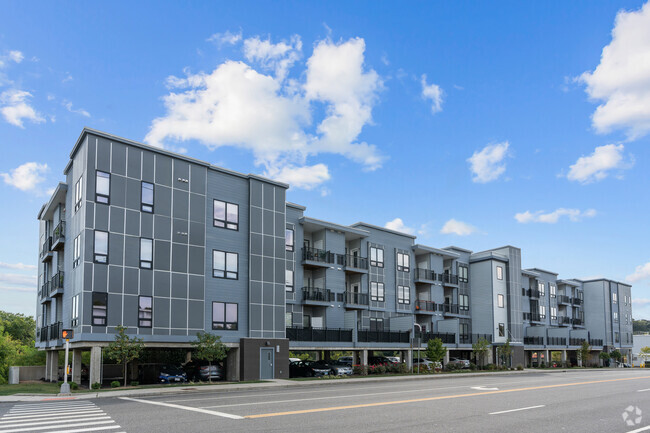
(379,360)
(308,369)
(199,370)
(171,374)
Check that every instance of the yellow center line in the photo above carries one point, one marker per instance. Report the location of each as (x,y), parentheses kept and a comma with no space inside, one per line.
(442,397)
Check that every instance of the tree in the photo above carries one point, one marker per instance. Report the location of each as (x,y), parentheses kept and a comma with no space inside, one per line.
(504,352)
(583,352)
(640,326)
(19,327)
(124,349)
(645,353)
(605,357)
(616,355)
(481,349)
(209,347)
(435,350)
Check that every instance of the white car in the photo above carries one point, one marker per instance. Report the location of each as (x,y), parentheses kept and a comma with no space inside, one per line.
(461,363)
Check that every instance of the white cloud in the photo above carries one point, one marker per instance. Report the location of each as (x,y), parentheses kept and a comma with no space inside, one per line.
(641,272)
(18,279)
(235,105)
(398,225)
(19,289)
(18,266)
(16,56)
(224,38)
(574,215)
(15,107)
(432,92)
(488,164)
(26,177)
(457,228)
(80,111)
(622,79)
(598,165)
(641,302)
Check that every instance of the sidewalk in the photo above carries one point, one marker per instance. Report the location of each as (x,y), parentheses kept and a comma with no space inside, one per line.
(275,383)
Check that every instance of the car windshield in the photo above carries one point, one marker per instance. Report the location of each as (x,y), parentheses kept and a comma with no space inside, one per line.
(171,370)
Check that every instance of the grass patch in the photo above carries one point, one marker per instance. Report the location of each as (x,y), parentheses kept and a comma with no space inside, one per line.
(30,388)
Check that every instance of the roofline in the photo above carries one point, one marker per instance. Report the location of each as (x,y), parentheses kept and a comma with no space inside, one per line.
(47,205)
(453,247)
(543,270)
(395,232)
(296,206)
(498,248)
(569,281)
(334,226)
(436,250)
(603,279)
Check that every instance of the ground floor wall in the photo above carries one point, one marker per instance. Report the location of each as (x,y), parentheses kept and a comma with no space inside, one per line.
(254,353)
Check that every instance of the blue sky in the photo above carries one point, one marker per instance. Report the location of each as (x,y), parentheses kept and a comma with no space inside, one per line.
(467,123)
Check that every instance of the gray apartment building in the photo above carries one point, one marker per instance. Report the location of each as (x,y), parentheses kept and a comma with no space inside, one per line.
(168,246)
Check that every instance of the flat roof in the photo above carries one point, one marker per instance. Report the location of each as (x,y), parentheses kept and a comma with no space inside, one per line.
(395,232)
(312,224)
(543,270)
(58,196)
(603,279)
(529,272)
(569,282)
(296,206)
(423,249)
(488,255)
(452,247)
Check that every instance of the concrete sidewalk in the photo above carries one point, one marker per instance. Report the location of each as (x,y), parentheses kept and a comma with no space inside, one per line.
(275,383)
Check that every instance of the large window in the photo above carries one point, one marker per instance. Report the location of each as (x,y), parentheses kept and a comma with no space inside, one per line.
(376,291)
(288,320)
(376,324)
(146,253)
(377,257)
(226,215)
(103,187)
(146,199)
(224,265)
(78,190)
(224,316)
(615,316)
(463,302)
(288,239)
(288,280)
(403,262)
(75,311)
(464,331)
(76,251)
(614,298)
(101,247)
(500,301)
(463,275)
(542,312)
(553,313)
(541,287)
(145,311)
(551,290)
(403,294)
(502,330)
(100,309)
(499,272)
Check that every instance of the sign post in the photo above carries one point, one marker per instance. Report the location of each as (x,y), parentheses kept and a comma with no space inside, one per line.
(66,334)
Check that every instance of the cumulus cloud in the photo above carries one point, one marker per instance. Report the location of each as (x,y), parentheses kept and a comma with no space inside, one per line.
(455,227)
(598,165)
(574,215)
(272,116)
(18,279)
(13,56)
(26,177)
(15,107)
(432,92)
(225,38)
(641,272)
(488,164)
(18,266)
(80,111)
(398,225)
(621,82)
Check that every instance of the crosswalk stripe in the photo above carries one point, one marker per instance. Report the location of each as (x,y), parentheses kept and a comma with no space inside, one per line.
(55,403)
(45,409)
(50,413)
(28,423)
(64,417)
(96,412)
(64,426)
(67,409)
(86,429)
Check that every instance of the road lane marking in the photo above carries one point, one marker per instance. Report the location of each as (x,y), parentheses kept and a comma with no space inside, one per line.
(443,397)
(516,410)
(639,429)
(98,412)
(25,424)
(86,429)
(483,388)
(41,415)
(643,390)
(49,409)
(15,430)
(177,406)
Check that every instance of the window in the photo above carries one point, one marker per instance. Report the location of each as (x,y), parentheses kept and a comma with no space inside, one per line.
(75,311)
(502,330)
(306,321)
(553,313)
(226,215)
(377,257)
(541,287)
(500,301)
(288,239)
(76,251)
(288,278)
(101,247)
(403,262)
(614,298)
(463,302)
(464,331)
(463,274)
(551,290)
(224,316)
(78,187)
(376,291)
(403,294)
(499,272)
(146,253)
(617,337)
(100,309)
(102,187)
(224,265)
(145,311)
(542,312)
(288,320)
(376,324)
(146,197)
(615,316)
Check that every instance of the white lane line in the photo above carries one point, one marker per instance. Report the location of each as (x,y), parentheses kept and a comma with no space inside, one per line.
(59,426)
(49,422)
(41,415)
(643,390)
(483,388)
(176,406)
(640,429)
(3,421)
(50,409)
(517,410)
(86,429)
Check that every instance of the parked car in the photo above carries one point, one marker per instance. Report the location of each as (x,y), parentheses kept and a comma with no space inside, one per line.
(347,360)
(430,364)
(379,360)
(338,369)
(171,374)
(200,370)
(461,363)
(307,369)
(393,359)
(294,359)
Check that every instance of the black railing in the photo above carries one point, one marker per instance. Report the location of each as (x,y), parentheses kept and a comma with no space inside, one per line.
(425,306)
(316,255)
(533,293)
(58,235)
(596,341)
(45,290)
(576,322)
(576,301)
(563,320)
(55,331)
(357,262)
(356,298)
(383,336)
(57,281)
(534,317)
(446,338)
(448,308)
(450,279)
(534,341)
(44,334)
(563,299)
(319,334)
(317,294)
(576,341)
(556,341)
(473,338)
(425,274)
(47,246)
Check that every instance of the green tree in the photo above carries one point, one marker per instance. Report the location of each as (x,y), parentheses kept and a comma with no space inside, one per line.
(435,350)
(504,352)
(124,349)
(640,326)
(209,347)
(481,349)
(605,357)
(583,352)
(645,353)
(19,327)
(616,355)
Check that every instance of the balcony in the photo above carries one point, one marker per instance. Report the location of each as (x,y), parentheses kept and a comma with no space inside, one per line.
(315,258)
(425,307)
(533,317)
(449,279)
(54,331)
(319,334)
(425,276)
(534,341)
(446,338)
(58,236)
(356,300)
(449,309)
(577,322)
(56,284)
(596,341)
(383,336)
(473,338)
(576,301)
(43,334)
(353,264)
(533,293)
(45,292)
(315,294)
(556,341)
(46,250)
(563,321)
(563,299)
(576,341)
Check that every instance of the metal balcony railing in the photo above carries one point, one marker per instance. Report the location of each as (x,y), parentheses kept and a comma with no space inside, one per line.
(533,317)
(425,274)
(57,282)
(47,247)
(577,322)
(576,341)
(534,341)
(58,234)
(534,293)
(576,301)
(473,338)
(596,341)
(317,294)
(383,336)
(450,278)
(449,308)
(446,338)
(316,255)
(356,298)
(55,331)
(429,306)
(556,341)
(351,261)
(319,334)
(563,299)
(563,320)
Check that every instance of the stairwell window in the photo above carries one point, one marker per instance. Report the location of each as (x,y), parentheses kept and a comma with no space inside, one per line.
(541,287)
(146,197)
(551,290)
(224,316)
(376,324)
(377,257)
(78,190)
(101,247)
(403,294)
(502,330)
(76,251)
(463,275)
(403,262)
(553,313)
(100,309)
(288,278)
(288,239)
(146,253)
(500,301)
(614,298)
(102,187)
(75,311)
(542,312)
(145,311)
(463,302)
(288,320)
(225,265)
(499,272)
(615,316)
(226,215)
(376,291)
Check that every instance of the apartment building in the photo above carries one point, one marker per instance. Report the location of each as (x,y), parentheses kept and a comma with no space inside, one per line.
(169,246)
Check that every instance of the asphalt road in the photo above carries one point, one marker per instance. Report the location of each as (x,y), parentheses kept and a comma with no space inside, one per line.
(575,401)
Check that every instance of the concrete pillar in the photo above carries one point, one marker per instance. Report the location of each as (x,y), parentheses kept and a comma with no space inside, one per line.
(356,358)
(564,358)
(364,357)
(232,365)
(188,356)
(48,360)
(409,359)
(548,358)
(446,360)
(76,366)
(95,368)
(54,366)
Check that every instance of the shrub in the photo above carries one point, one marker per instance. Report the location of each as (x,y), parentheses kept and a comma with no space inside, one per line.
(402,368)
(422,368)
(542,365)
(135,383)
(490,367)
(380,369)
(59,383)
(115,384)
(472,366)
(96,385)
(74,385)
(452,366)
(520,367)
(361,370)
